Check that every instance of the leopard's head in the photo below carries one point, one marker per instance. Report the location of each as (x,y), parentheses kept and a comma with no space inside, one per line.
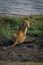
(27,23)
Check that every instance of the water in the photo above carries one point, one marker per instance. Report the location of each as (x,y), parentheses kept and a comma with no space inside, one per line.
(23,7)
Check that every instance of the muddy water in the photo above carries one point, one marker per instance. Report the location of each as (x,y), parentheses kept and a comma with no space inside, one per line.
(24,7)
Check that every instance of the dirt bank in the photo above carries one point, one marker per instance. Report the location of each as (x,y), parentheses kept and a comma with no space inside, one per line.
(30,50)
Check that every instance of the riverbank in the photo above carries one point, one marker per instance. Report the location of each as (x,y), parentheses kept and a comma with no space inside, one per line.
(32,48)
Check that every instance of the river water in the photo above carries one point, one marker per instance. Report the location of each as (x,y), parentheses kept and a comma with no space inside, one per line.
(22,7)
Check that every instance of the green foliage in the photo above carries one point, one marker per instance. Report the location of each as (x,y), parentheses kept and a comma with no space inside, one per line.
(9,24)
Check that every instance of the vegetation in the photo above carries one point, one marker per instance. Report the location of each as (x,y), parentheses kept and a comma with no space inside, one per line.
(21,63)
(10,24)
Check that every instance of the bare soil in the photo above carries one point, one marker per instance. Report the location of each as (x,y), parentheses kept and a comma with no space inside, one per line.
(30,50)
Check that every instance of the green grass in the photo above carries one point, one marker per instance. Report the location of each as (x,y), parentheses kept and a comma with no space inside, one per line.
(9,24)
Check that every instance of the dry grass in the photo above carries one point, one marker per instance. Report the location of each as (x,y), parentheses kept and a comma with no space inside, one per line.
(21,63)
